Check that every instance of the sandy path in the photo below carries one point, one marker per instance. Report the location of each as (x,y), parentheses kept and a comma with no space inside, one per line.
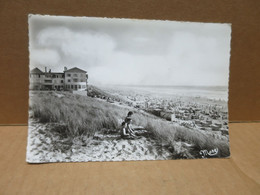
(45,146)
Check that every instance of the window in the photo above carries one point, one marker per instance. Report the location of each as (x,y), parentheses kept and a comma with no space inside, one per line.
(81,80)
(68,75)
(75,80)
(76,86)
(75,75)
(68,80)
(61,81)
(79,86)
(83,86)
(71,86)
(48,81)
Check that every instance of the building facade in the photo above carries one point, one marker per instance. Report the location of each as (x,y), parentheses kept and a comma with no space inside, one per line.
(73,79)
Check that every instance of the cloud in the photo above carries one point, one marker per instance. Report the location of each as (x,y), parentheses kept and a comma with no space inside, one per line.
(74,48)
(43,57)
(127,52)
(188,60)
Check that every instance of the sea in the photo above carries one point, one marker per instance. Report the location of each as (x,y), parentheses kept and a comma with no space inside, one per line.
(210,92)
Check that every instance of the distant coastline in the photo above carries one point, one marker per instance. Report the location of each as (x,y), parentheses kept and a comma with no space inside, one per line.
(211,92)
(130,85)
(205,87)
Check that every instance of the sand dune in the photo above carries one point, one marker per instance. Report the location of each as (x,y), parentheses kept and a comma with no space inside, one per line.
(45,146)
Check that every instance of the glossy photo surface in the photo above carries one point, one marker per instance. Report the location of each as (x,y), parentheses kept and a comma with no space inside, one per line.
(104,89)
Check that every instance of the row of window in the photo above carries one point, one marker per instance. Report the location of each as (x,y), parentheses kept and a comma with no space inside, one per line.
(55,76)
(58,86)
(61,81)
(75,86)
(58,76)
(45,76)
(76,80)
(48,81)
(55,81)
(75,75)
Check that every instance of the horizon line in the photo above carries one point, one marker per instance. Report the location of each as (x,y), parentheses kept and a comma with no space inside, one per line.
(135,85)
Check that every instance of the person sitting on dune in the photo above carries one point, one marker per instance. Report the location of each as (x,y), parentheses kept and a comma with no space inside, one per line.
(127,130)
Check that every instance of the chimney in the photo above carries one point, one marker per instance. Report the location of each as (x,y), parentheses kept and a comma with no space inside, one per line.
(45,69)
(65,68)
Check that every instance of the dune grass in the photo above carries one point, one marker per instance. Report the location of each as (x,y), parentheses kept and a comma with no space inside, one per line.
(170,134)
(81,115)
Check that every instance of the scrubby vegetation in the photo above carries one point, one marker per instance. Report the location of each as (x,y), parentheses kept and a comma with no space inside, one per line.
(170,134)
(81,115)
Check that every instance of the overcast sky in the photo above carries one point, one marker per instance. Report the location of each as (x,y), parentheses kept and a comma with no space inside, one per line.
(132,52)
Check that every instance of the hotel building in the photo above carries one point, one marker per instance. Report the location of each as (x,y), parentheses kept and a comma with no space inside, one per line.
(73,79)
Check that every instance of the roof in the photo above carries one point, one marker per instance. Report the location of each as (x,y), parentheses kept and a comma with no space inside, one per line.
(56,73)
(36,71)
(75,69)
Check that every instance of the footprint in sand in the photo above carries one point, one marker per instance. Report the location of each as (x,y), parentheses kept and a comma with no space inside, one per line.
(134,148)
(129,142)
(150,148)
(141,148)
(114,143)
(126,152)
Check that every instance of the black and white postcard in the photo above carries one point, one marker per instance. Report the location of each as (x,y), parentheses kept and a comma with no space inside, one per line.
(108,89)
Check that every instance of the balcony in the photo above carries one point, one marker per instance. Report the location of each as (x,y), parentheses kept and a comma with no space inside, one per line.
(47,81)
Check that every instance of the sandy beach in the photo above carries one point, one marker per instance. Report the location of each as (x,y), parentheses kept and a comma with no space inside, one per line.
(44,146)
